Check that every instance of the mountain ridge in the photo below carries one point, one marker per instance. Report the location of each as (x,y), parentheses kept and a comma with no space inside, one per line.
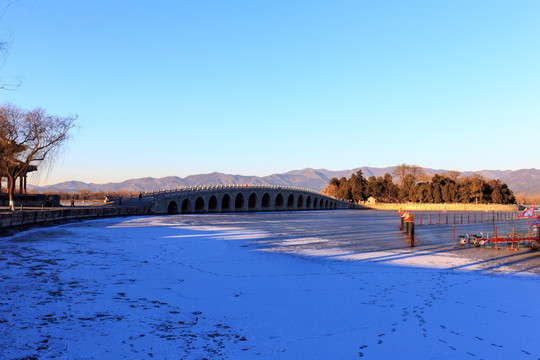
(523,181)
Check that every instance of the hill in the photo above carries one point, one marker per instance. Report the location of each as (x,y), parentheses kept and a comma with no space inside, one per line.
(524,181)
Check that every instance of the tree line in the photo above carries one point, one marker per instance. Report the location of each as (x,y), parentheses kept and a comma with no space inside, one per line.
(85,194)
(413,185)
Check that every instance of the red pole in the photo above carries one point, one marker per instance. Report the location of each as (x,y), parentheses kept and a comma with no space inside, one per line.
(468,218)
(454,235)
(412,233)
(420,219)
(512,245)
(439,219)
(429,218)
(496,240)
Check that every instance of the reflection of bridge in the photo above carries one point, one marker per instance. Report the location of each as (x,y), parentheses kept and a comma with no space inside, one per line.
(237,198)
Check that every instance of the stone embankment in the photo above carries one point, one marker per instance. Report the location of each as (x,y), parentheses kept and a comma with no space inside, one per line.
(38,216)
(441,207)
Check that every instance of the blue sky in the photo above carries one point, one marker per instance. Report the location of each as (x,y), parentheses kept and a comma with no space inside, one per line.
(260,87)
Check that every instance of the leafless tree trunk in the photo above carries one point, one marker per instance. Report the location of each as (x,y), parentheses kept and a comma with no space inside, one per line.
(28,138)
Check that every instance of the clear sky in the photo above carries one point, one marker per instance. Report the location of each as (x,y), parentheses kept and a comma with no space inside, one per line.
(260,87)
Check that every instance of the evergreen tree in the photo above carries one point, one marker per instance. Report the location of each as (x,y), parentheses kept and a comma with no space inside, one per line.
(390,190)
(358,186)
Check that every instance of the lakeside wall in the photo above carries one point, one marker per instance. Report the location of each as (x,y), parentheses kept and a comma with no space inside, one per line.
(441,207)
(31,200)
(34,217)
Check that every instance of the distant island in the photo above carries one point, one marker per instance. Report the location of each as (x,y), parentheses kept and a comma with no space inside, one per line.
(413,185)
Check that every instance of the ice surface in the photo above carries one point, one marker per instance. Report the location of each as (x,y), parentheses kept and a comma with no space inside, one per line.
(329,285)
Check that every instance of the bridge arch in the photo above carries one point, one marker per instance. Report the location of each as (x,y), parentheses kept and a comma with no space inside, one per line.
(226,203)
(278,204)
(308,202)
(213,204)
(239,202)
(186,206)
(300,202)
(172,208)
(252,201)
(315,202)
(266,202)
(290,201)
(199,205)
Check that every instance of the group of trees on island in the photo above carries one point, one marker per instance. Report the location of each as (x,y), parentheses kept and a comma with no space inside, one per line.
(413,185)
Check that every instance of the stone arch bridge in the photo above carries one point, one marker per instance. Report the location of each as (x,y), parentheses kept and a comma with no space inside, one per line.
(241,198)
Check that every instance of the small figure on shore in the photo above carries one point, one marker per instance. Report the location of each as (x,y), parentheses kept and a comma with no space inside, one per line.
(120,200)
(140,196)
(72,202)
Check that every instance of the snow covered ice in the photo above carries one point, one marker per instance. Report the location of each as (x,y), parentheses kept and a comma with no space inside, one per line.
(325,285)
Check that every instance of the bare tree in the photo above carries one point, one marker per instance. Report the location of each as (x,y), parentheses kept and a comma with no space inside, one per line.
(28,138)
(415,171)
(453,175)
(4,43)
(3,49)
(400,171)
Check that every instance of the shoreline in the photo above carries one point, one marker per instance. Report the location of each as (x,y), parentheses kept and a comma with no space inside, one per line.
(27,218)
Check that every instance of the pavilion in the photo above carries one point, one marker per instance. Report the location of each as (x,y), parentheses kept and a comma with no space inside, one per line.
(22,179)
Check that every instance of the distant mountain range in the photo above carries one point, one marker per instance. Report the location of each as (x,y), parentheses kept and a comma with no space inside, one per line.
(524,181)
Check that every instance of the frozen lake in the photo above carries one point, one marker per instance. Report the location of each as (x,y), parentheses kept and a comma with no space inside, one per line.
(336,284)
(375,236)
